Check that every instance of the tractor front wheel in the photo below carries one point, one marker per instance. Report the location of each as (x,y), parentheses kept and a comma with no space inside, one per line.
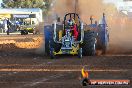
(52,56)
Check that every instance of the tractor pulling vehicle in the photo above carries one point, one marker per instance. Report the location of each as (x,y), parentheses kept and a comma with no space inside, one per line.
(75,38)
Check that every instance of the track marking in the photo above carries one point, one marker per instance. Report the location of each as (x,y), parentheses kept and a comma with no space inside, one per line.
(61,70)
(8,74)
(42,80)
(43,64)
(118,55)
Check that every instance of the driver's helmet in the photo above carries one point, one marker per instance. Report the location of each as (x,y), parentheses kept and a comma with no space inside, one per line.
(71,22)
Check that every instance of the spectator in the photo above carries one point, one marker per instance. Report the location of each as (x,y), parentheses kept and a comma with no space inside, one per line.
(5,25)
(8,26)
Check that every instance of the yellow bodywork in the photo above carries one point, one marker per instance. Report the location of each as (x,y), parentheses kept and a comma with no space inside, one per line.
(29,28)
(74,50)
(60,35)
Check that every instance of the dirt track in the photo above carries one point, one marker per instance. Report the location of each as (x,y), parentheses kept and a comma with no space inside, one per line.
(21,66)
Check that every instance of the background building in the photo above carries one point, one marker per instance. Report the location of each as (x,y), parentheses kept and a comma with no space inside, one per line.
(33,15)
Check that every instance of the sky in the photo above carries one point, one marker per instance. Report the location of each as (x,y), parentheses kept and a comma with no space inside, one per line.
(113,1)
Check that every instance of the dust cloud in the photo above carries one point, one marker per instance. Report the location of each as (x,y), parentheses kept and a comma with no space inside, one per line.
(120,25)
(61,7)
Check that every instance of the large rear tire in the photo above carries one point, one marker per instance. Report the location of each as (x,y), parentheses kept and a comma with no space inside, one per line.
(89,44)
(47,35)
(49,42)
(24,32)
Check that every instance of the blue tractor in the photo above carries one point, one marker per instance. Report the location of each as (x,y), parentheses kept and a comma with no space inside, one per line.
(102,34)
(73,37)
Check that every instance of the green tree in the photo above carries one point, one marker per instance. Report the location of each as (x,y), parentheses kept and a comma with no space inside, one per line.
(43,4)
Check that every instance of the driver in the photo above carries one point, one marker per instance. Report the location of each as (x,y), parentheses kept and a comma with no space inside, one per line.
(75,32)
(73,26)
(70,22)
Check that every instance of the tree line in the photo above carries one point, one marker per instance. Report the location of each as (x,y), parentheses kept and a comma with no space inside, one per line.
(43,4)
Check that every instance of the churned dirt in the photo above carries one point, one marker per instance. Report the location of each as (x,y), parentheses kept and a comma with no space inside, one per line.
(15,42)
(24,65)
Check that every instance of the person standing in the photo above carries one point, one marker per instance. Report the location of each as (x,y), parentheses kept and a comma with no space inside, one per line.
(8,26)
(5,25)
